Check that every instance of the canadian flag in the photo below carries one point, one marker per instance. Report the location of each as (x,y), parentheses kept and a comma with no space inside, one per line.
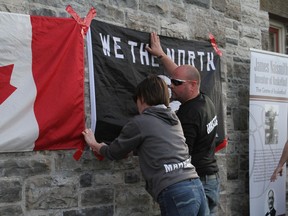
(41,83)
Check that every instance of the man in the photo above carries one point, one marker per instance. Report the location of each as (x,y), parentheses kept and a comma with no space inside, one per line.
(272,211)
(198,118)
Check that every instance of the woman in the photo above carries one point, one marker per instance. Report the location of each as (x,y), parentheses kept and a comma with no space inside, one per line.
(157,136)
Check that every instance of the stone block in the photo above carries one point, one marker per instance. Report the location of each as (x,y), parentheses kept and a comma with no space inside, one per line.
(155,7)
(98,196)
(110,13)
(133,201)
(179,12)
(219,5)
(134,20)
(88,162)
(24,166)
(132,177)
(11,210)
(95,211)
(111,178)
(10,190)
(131,4)
(85,180)
(53,192)
(233,10)
(201,3)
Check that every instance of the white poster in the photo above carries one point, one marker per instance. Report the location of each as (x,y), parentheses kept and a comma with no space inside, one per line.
(267,131)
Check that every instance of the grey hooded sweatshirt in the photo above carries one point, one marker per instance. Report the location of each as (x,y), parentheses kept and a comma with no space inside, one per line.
(158,139)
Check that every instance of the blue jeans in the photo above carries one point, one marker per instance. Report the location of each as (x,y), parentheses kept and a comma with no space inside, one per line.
(185,198)
(211,184)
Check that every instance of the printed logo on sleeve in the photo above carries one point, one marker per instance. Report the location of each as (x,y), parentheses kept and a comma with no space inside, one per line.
(211,125)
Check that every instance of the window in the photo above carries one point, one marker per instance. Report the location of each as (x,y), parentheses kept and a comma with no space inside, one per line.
(274,39)
(277,37)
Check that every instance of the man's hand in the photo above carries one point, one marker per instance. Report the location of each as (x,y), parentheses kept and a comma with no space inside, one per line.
(155,48)
(275,173)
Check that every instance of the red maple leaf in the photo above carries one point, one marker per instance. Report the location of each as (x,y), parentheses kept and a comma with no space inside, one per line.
(6,89)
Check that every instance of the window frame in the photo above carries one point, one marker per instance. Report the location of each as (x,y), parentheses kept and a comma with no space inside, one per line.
(278,28)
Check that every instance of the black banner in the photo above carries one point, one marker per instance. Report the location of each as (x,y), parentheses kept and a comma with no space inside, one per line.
(121,62)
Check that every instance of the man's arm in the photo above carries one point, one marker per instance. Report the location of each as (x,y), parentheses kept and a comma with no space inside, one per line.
(155,49)
(283,159)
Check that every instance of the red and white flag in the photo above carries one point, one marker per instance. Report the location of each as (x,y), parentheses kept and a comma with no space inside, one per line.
(41,83)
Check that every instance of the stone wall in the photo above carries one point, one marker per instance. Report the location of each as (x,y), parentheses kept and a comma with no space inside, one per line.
(53,183)
(277,7)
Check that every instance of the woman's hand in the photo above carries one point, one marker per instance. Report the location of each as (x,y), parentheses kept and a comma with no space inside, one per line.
(91,141)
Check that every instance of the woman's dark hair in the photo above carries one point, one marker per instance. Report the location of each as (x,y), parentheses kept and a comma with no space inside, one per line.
(153,90)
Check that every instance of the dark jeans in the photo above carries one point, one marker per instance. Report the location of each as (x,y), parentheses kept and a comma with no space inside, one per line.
(211,184)
(185,198)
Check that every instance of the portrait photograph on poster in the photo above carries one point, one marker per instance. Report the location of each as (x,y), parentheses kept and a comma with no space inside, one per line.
(271,119)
